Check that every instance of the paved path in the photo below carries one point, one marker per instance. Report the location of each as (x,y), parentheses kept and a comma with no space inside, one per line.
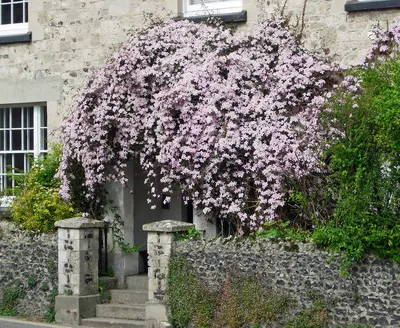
(6,322)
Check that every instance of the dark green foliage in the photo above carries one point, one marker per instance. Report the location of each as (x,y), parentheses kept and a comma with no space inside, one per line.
(315,316)
(191,233)
(245,302)
(241,301)
(364,158)
(50,315)
(109,273)
(32,282)
(10,299)
(38,205)
(282,230)
(188,299)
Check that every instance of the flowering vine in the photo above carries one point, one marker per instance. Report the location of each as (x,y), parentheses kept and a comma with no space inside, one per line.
(228,116)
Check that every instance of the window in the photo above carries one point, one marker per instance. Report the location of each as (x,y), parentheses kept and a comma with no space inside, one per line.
(362,5)
(13,17)
(211,7)
(23,134)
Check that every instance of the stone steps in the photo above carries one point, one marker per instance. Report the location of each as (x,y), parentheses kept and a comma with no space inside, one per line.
(121,311)
(127,307)
(114,323)
(139,282)
(129,296)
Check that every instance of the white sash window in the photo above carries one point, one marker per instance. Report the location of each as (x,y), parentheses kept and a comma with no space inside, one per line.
(211,7)
(23,135)
(13,17)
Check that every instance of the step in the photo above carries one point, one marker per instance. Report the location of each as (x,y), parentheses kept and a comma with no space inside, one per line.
(114,323)
(137,282)
(108,282)
(121,311)
(128,296)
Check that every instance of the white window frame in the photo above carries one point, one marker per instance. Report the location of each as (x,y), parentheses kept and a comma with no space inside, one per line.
(39,142)
(211,8)
(14,28)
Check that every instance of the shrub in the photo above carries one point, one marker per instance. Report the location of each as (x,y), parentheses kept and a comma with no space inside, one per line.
(246,302)
(364,120)
(240,302)
(10,298)
(314,316)
(37,204)
(188,299)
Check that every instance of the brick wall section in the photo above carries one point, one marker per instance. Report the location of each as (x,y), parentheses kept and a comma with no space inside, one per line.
(371,295)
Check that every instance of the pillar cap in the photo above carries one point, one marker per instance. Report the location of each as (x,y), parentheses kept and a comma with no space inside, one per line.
(79,223)
(167,226)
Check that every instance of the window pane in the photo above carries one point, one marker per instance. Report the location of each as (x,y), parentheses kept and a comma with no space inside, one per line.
(8,162)
(30,140)
(6,140)
(2,140)
(43,139)
(16,116)
(6,117)
(16,140)
(26,12)
(29,159)
(43,117)
(18,13)
(5,1)
(28,117)
(5,14)
(25,139)
(1,118)
(19,163)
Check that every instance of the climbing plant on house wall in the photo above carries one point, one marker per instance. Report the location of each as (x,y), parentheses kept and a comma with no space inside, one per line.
(364,155)
(228,116)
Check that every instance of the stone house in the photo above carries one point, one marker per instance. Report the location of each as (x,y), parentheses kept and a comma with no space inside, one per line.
(49,47)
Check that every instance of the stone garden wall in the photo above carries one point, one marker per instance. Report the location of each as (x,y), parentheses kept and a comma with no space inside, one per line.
(370,296)
(28,271)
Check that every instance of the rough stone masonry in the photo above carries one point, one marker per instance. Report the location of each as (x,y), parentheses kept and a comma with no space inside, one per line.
(28,263)
(72,38)
(371,294)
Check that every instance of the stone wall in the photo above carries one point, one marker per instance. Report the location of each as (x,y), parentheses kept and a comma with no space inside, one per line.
(29,261)
(371,295)
(328,29)
(73,38)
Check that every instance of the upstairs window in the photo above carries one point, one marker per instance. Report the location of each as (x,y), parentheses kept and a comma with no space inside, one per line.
(23,135)
(13,17)
(364,5)
(211,7)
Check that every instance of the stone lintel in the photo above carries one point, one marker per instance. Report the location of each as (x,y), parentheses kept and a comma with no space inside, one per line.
(79,223)
(167,226)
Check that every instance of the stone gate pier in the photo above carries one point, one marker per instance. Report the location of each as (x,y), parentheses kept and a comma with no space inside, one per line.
(160,240)
(78,254)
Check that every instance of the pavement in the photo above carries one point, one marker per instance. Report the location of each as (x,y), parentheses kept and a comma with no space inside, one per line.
(6,322)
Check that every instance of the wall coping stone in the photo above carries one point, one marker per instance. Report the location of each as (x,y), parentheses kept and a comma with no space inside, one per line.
(167,226)
(79,223)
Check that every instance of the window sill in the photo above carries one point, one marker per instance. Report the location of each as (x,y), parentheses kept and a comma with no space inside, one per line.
(354,5)
(239,17)
(17,38)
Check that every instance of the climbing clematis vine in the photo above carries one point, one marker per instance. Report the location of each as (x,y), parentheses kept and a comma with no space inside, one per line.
(228,116)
